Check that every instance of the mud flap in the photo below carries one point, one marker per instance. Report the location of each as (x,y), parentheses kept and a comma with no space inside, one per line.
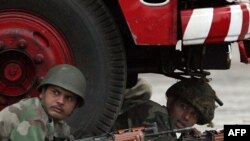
(244,49)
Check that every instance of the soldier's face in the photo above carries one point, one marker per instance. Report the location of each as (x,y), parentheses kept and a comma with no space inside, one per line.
(58,102)
(185,115)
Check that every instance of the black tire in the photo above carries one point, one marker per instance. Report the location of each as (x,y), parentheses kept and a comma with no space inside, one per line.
(97,50)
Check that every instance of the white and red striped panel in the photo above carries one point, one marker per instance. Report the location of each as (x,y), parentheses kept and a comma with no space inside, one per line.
(215,25)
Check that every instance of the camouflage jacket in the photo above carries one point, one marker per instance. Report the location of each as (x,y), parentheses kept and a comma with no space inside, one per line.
(137,113)
(27,121)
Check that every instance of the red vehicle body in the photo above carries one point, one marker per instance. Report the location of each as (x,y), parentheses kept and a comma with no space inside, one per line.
(112,41)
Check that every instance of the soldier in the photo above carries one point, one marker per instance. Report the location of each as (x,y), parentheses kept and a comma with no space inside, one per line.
(190,101)
(41,119)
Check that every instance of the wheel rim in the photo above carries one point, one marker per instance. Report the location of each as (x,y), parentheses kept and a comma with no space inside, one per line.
(29,46)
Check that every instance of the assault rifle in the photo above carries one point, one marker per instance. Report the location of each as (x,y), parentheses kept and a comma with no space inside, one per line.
(211,135)
(130,134)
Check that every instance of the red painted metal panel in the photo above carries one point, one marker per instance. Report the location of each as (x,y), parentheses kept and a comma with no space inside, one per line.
(216,25)
(220,25)
(244,58)
(245,22)
(150,24)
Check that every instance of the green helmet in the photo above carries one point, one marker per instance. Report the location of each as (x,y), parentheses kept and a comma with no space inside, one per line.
(197,93)
(67,77)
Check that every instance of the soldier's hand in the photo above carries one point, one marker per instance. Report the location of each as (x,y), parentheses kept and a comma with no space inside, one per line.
(195,132)
(139,137)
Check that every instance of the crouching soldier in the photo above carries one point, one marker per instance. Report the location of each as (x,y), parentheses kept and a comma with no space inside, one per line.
(41,118)
(190,101)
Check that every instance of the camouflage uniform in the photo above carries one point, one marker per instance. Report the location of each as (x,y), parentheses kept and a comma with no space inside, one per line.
(145,114)
(139,110)
(28,121)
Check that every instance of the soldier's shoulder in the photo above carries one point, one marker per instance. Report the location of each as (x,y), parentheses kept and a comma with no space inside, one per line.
(155,106)
(23,109)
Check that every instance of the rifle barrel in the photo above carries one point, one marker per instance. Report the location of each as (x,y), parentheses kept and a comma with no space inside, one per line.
(170,131)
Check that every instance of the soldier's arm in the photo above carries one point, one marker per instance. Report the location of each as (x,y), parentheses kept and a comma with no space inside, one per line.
(28,132)
(8,122)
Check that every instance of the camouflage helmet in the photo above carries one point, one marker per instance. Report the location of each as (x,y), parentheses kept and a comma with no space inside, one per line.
(67,77)
(197,93)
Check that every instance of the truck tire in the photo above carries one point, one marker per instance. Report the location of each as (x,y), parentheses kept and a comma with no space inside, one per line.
(79,32)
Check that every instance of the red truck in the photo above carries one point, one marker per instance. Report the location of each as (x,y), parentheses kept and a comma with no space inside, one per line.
(112,41)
